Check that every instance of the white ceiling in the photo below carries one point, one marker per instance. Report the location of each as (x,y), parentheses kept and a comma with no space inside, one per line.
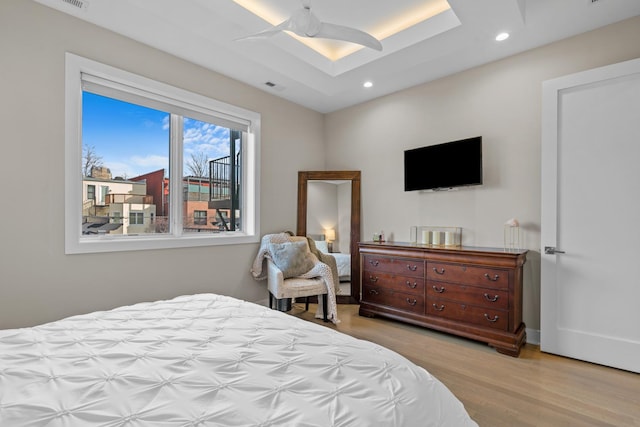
(205,32)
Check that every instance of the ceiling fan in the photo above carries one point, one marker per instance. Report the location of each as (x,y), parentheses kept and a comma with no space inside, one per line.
(305,24)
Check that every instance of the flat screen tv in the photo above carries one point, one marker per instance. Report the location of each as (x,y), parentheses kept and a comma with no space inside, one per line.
(444,166)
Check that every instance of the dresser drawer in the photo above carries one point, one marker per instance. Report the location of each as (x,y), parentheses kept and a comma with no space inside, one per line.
(460,273)
(481,316)
(478,296)
(400,300)
(408,284)
(401,266)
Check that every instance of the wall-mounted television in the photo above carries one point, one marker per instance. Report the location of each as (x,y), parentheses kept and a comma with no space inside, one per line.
(444,166)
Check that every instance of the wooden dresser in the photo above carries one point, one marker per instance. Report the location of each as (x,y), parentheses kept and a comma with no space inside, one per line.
(468,291)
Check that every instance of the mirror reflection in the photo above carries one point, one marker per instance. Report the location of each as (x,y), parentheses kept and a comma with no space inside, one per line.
(329,223)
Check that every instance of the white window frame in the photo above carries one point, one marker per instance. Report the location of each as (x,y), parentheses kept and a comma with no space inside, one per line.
(76,243)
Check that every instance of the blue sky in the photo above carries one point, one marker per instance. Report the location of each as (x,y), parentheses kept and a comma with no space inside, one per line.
(133,140)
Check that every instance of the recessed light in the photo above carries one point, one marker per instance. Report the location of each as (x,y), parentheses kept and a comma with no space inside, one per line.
(502,36)
(367,84)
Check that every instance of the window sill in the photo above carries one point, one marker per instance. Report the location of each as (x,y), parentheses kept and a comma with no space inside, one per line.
(111,243)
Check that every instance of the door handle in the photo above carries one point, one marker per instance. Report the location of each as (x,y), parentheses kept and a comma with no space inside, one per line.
(551,250)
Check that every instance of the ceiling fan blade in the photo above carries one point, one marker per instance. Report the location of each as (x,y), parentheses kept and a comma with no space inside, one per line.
(305,24)
(283,26)
(348,34)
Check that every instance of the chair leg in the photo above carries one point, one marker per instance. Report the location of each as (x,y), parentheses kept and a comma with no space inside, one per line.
(306,303)
(270,301)
(324,307)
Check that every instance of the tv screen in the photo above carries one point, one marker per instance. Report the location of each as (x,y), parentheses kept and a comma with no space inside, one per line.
(444,166)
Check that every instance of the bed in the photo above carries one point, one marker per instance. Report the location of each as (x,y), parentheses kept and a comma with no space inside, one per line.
(210,360)
(343,261)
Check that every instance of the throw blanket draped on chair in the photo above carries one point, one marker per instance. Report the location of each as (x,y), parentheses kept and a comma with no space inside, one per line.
(324,267)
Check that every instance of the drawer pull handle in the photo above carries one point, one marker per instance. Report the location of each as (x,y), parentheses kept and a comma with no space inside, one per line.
(374,292)
(412,285)
(495,318)
(440,308)
(493,279)
(412,302)
(375,279)
(412,267)
(374,262)
(439,290)
(494,299)
(441,271)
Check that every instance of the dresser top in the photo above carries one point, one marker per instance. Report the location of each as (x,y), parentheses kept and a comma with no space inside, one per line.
(450,249)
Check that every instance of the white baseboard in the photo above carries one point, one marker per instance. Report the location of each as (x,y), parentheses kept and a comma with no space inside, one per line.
(533,336)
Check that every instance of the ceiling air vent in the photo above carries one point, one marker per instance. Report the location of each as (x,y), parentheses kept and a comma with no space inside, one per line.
(274,86)
(80,4)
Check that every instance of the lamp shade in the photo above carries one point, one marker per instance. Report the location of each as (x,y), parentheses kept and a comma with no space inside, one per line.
(330,234)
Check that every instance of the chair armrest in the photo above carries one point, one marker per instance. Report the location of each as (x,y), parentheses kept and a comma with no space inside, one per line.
(275,279)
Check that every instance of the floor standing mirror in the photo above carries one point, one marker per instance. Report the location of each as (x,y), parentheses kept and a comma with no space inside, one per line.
(329,209)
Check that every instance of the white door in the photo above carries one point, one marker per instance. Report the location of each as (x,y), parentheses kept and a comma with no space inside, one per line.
(590,294)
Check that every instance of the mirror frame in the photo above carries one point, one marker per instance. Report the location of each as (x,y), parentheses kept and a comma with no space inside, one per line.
(301,229)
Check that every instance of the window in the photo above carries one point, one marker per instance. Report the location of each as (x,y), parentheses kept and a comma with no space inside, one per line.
(136,218)
(200,217)
(146,150)
(103,191)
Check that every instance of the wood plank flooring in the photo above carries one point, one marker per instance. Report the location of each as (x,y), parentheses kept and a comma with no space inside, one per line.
(536,389)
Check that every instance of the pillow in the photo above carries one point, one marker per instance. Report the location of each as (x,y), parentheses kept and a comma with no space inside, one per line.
(322,246)
(292,258)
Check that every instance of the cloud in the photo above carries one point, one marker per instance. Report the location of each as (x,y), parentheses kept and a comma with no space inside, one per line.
(199,137)
(150,124)
(137,165)
(121,169)
(150,161)
(205,137)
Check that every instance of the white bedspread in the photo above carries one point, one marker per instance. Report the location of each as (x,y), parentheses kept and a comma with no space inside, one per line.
(209,360)
(343,262)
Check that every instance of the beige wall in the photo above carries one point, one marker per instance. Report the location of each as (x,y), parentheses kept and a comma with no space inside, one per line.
(322,206)
(500,101)
(38,282)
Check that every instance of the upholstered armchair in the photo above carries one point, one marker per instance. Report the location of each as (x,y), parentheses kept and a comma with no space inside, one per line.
(294,268)
(294,287)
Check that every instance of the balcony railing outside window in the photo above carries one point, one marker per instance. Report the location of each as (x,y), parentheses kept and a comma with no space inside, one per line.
(129,199)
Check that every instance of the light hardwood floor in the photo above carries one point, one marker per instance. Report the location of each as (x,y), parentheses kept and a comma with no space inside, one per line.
(535,389)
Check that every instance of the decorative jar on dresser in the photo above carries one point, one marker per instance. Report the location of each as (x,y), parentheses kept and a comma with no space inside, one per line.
(473,292)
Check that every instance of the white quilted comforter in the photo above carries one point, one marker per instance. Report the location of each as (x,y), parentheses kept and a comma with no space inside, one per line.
(343,262)
(210,360)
